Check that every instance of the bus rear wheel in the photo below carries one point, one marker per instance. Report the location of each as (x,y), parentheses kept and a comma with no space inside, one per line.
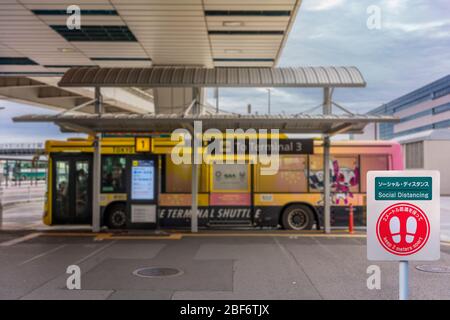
(117,216)
(298,217)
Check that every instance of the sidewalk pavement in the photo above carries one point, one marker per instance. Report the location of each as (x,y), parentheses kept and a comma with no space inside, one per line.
(445,219)
(24,193)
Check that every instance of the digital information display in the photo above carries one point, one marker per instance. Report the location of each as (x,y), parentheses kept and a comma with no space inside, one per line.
(143,180)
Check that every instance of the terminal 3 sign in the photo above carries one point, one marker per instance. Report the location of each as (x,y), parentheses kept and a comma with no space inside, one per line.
(285,146)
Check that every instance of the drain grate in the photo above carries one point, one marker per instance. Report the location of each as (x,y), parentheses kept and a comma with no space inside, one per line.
(157,272)
(433,269)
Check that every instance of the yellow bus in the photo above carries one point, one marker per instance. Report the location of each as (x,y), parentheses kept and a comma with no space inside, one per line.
(147,190)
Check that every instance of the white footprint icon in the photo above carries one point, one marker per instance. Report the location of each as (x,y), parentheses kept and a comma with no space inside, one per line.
(394,227)
(411,227)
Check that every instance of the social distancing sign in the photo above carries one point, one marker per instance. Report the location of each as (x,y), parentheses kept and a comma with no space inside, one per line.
(403,215)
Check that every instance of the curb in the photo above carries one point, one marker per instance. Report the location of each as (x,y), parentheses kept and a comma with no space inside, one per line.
(445,238)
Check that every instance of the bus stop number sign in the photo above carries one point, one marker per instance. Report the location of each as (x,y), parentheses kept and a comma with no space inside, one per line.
(403,214)
(142,144)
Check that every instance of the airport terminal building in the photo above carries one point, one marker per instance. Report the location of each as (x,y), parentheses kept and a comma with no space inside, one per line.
(423,109)
(423,129)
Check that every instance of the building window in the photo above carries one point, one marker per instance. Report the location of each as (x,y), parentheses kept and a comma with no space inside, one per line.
(442,92)
(372,162)
(414,155)
(441,108)
(417,115)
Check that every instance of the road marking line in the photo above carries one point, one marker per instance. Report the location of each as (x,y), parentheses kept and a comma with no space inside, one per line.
(93,253)
(173,236)
(295,266)
(70,234)
(21,239)
(180,235)
(42,255)
(300,235)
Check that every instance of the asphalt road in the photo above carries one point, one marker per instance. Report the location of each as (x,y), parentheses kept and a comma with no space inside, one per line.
(271,265)
(249,265)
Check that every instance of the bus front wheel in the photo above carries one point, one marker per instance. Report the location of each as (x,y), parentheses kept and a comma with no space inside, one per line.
(117,216)
(298,217)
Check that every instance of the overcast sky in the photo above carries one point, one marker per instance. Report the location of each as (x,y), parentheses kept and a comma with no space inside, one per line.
(411,49)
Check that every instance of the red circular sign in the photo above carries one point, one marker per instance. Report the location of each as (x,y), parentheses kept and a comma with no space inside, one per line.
(403,229)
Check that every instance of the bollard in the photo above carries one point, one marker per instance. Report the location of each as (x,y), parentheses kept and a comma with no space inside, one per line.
(350,219)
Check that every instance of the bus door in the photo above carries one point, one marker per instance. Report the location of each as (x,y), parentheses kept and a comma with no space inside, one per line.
(72,189)
(142,192)
(230,197)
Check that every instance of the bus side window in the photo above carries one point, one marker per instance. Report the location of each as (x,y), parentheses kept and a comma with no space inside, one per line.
(372,162)
(113,174)
(178,177)
(291,176)
(344,171)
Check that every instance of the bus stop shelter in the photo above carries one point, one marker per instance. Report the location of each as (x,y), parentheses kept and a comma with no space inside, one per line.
(326,123)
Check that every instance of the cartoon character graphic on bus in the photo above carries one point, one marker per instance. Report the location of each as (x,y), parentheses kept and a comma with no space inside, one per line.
(342,180)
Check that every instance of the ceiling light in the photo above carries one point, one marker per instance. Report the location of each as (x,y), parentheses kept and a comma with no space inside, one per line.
(66,50)
(233,51)
(233,23)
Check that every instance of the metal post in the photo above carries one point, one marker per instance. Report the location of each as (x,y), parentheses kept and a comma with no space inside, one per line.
(194,179)
(326,165)
(326,184)
(197,96)
(98,101)
(268,100)
(403,280)
(96,170)
(96,185)
(194,208)
(7,174)
(1,199)
(217,99)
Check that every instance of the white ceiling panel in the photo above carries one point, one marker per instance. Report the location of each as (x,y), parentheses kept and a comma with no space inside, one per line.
(168,32)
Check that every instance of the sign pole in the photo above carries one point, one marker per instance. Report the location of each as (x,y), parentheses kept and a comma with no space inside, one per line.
(403,280)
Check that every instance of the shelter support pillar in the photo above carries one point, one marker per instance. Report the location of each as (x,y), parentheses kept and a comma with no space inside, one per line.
(196,94)
(196,143)
(326,165)
(194,208)
(326,184)
(96,179)
(96,170)
(1,194)
(98,101)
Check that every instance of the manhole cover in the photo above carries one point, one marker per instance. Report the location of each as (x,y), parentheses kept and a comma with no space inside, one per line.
(433,269)
(157,272)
